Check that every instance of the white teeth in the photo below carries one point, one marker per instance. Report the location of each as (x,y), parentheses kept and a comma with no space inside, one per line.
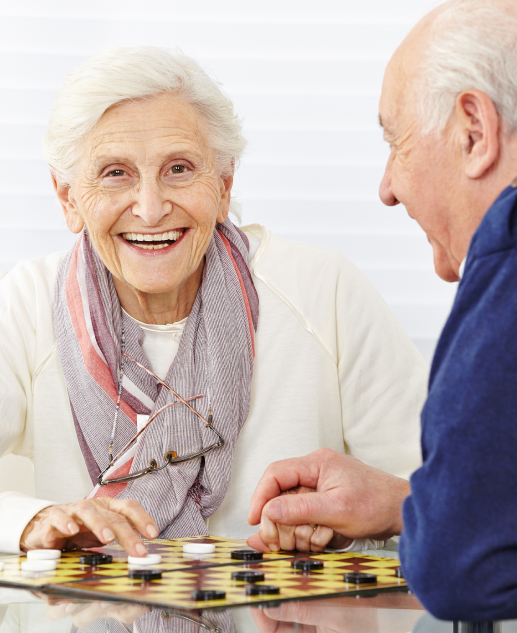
(147,237)
(151,247)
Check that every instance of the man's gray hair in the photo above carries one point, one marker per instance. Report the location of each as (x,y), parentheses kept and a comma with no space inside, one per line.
(127,73)
(473,45)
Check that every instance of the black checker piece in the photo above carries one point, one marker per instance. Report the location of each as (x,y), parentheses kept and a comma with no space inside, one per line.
(145,574)
(359,578)
(248,576)
(262,590)
(202,595)
(307,565)
(96,559)
(246,554)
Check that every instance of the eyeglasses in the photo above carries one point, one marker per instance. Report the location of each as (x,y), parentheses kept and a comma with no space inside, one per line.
(171,457)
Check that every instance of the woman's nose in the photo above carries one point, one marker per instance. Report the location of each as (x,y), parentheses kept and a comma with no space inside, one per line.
(151,205)
(385,191)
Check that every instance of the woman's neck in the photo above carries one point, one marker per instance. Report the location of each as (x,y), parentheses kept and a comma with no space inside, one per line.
(160,308)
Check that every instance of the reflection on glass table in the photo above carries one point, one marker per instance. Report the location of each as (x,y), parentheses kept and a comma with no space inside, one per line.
(25,612)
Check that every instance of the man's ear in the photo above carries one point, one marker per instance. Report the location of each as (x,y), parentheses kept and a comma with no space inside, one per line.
(226,195)
(73,220)
(479,125)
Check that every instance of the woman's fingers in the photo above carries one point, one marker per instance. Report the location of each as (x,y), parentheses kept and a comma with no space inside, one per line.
(303,535)
(92,521)
(109,526)
(269,534)
(143,523)
(287,537)
(125,535)
(62,521)
(93,517)
(321,537)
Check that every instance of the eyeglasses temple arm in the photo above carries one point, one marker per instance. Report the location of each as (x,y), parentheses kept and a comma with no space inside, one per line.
(151,419)
(167,387)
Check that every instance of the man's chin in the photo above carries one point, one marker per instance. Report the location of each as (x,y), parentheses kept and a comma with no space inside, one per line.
(447,274)
(442,265)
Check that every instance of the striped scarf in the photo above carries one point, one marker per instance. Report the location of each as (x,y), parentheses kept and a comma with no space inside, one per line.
(215,358)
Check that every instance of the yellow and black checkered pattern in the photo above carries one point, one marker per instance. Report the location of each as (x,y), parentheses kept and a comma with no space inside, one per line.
(175,589)
(183,573)
(69,569)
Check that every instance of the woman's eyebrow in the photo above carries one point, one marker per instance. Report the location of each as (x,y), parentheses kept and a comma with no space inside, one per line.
(172,154)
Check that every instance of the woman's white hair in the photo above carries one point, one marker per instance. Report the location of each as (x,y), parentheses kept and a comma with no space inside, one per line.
(473,45)
(128,73)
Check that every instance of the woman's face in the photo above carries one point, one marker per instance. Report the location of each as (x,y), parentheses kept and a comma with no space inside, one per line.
(149,193)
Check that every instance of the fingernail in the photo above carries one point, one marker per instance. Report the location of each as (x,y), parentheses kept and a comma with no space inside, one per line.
(73,529)
(275,510)
(140,549)
(152,531)
(273,547)
(108,535)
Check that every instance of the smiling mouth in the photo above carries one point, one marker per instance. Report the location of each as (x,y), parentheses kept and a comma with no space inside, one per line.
(154,242)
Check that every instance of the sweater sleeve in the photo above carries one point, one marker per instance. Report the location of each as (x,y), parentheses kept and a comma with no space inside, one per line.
(17,362)
(17,358)
(16,510)
(383,378)
(459,545)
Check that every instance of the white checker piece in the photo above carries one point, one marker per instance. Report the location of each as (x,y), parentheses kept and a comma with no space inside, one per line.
(43,554)
(38,565)
(150,559)
(198,548)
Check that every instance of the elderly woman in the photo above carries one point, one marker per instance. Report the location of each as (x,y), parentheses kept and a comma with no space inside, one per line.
(155,370)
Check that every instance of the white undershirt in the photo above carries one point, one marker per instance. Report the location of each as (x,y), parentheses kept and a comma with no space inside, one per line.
(161,342)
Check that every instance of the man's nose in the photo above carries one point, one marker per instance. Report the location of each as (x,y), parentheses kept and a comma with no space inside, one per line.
(151,204)
(385,191)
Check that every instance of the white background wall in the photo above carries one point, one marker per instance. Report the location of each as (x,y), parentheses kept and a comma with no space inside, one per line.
(305,75)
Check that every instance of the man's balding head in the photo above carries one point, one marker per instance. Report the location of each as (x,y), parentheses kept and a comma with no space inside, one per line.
(449,111)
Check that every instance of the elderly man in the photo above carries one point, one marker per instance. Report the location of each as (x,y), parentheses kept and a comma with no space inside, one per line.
(449,113)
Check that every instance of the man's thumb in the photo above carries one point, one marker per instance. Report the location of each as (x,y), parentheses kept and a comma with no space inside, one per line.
(296,509)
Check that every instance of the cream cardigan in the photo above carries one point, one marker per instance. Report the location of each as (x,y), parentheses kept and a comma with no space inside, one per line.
(333,369)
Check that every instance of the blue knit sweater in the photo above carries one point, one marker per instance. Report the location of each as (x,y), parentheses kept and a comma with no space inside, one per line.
(459,545)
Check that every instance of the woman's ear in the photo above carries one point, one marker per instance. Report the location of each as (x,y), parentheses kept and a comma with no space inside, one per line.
(479,127)
(226,195)
(73,220)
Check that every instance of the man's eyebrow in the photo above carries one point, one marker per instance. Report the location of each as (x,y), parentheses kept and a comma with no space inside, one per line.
(380,121)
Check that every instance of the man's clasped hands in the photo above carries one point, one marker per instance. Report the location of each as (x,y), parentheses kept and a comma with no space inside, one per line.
(324,499)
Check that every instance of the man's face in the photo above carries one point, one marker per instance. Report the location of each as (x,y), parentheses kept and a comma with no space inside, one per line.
(421,172)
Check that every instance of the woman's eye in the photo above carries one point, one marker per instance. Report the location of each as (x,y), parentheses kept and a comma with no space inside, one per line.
(116,172)
(178,169)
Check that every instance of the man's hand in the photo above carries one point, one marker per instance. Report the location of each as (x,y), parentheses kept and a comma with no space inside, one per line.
(351,498)
(320,616)
(90,523)
(304,538)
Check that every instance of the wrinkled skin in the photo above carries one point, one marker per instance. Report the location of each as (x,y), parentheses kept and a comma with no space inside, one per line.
(146,169)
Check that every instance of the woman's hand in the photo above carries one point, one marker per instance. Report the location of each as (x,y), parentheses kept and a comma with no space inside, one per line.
(83,613)
(90,523)
(304,538)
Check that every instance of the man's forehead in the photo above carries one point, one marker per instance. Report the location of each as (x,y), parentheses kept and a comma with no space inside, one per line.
(391,95)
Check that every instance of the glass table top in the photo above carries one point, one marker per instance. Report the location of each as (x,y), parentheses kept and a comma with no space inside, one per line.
(27,612)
